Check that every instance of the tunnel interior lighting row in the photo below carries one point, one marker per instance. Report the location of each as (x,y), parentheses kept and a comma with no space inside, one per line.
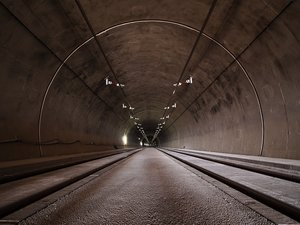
(124,106)
(174,105)
(139,127)
(187,81)
(132,117)
(108,82)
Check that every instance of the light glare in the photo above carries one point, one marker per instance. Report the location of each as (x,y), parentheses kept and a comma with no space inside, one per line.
(124,139)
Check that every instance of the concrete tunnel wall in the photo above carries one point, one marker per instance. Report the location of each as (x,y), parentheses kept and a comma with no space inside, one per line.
(244,98)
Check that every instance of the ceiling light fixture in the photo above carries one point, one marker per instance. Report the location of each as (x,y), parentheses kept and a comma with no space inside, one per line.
(107,81)
(189,80)
(120,85)
(177,84)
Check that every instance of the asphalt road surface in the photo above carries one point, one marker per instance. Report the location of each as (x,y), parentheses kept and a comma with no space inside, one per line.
(147,188)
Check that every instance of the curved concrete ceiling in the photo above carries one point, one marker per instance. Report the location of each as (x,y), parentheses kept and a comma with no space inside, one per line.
(243,57)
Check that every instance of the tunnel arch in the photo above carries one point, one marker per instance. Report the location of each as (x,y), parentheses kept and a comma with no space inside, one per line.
(252,105)
(151,21)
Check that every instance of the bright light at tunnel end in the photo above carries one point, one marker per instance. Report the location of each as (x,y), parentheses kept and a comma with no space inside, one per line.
(124,139)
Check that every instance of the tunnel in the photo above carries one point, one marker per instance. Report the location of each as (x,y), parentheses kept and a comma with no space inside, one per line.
(89,76)
(76,76)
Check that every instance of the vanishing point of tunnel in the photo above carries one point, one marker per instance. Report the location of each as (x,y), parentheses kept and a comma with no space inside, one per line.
(79,78)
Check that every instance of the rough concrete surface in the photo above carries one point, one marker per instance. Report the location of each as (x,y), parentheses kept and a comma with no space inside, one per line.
(149,188)
(245,67)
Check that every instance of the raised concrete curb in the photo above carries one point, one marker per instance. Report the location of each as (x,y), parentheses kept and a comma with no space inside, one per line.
(14,170)
(288,164)
(282,195)
(275,171)
(17,194)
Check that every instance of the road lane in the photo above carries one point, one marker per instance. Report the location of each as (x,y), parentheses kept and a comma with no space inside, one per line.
(148,188)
